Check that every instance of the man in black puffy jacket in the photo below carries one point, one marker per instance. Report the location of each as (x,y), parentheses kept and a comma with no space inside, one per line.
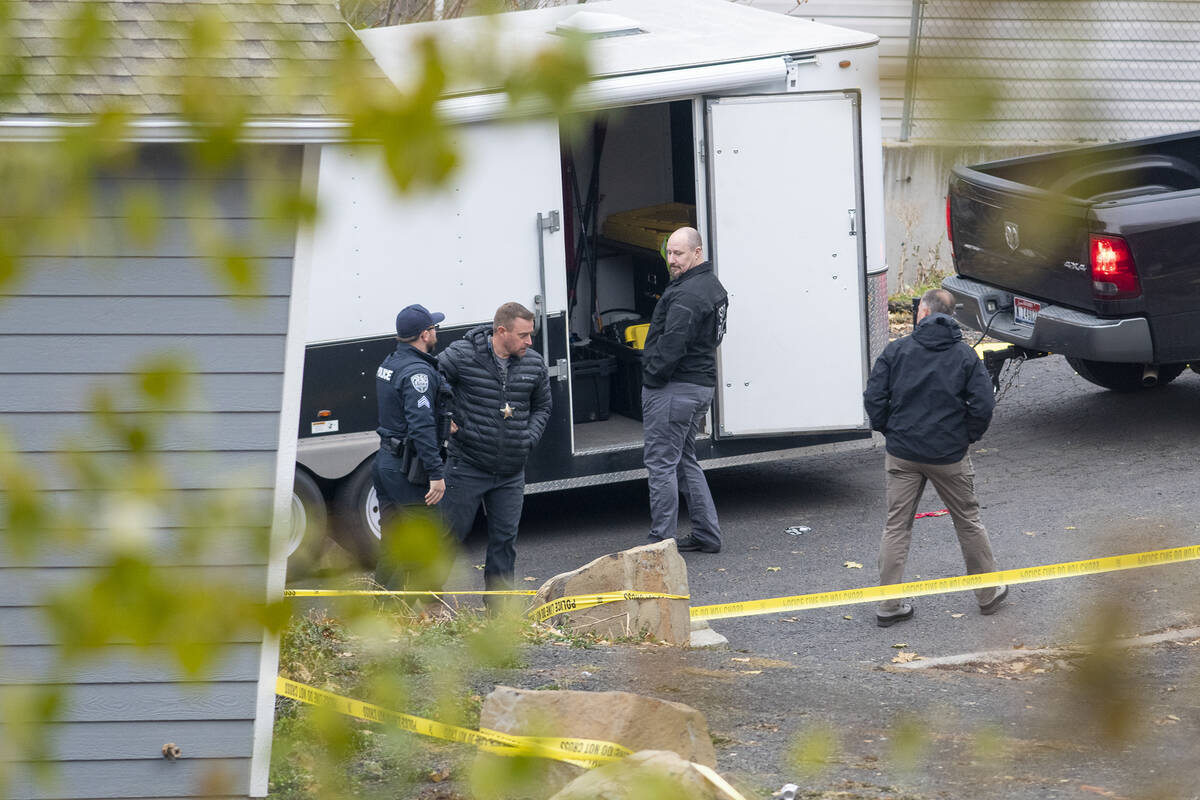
(679,373)
(501,405)
(930,395)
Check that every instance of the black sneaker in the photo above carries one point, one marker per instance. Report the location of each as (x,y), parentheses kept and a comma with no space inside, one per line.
(690,544)
(993,605)
(888,620)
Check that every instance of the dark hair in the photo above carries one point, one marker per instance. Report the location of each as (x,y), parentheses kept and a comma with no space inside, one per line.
(508,313)
(938,301)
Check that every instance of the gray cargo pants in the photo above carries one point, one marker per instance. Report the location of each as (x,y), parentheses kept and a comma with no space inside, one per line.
(671,417)
(955,484)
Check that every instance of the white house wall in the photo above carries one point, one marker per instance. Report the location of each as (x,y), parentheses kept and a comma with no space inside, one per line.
(1060,72)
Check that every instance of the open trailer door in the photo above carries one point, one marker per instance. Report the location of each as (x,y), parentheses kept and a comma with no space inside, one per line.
(784,173)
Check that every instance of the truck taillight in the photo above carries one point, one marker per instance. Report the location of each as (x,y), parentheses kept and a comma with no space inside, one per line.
(1114,275)
(949,231)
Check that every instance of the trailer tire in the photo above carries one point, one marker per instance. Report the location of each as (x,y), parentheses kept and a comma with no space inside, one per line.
(356,510)
(309,525)
(1121,377)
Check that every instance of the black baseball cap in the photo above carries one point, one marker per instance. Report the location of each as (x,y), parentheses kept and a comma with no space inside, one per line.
(415,318)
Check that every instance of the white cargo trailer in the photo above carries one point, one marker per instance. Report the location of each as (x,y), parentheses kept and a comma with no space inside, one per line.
(764,129)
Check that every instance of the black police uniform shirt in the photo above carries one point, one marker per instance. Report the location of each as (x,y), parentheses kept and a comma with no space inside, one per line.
(407,385)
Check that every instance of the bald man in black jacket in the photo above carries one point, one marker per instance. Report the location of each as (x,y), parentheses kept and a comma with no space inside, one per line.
(679,373)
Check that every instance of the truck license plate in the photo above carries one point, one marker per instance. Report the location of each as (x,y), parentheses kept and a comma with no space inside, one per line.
(1025,311)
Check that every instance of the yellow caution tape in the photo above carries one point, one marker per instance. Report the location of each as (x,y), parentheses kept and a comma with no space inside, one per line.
(981,580)
(587,753)
(580,752)
(542,613)
(580,601)
(397,593)
(746,608)
(717,781)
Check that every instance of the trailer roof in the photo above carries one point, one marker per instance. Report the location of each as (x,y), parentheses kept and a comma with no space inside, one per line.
(672,34)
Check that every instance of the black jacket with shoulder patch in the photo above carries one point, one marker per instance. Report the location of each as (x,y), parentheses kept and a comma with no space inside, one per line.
(409,393)
(687,325)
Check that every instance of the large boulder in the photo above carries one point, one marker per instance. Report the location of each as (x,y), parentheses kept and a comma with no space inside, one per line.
(654,567)
(632,721)
(649,773)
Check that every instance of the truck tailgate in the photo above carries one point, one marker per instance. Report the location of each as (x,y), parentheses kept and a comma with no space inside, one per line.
(1030,242)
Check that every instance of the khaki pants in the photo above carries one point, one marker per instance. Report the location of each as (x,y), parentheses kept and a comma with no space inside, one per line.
(955,484)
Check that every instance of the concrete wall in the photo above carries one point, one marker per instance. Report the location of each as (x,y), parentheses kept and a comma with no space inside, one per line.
(92,309)
(915,179)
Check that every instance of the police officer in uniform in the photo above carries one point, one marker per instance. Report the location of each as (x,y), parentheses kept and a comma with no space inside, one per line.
(409,467)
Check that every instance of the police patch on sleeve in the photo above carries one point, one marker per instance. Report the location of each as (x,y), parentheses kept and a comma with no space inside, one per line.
(420,382)
(423,402)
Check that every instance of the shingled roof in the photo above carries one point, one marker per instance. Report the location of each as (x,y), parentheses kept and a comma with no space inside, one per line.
(276,56)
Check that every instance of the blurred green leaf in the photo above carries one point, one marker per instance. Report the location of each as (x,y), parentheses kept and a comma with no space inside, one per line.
(141,206)
(1104,687)
(554,74)
(501,777)
(813,750)
(85,32)
(164,379)
(910,741)
(24,516)
(417,550)
(990,745)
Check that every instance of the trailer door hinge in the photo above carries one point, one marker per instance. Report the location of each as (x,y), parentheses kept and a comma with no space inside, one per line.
(793,66)
(549,221)
(853,212)
(559,371)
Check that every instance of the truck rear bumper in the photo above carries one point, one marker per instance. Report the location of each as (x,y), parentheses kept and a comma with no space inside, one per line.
(1058,330)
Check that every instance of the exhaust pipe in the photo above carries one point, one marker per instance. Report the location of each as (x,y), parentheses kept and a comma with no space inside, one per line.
(1149,375)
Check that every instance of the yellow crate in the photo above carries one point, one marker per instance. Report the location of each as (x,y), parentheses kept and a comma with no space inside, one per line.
(635,335)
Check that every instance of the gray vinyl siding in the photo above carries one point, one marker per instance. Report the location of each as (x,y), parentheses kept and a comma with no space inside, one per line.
(1086,70)
(90,312)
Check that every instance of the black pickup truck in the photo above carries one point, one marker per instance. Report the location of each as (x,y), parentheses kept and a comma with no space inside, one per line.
(1091,253)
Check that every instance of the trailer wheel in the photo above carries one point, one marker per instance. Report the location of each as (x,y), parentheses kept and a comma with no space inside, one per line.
(356,509)
(310,522)
(1122,377)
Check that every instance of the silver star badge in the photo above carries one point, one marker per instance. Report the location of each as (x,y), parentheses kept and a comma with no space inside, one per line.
(507,411)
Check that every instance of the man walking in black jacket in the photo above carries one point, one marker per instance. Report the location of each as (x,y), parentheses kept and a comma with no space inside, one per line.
(501,405)
(679,372)
(930,395)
